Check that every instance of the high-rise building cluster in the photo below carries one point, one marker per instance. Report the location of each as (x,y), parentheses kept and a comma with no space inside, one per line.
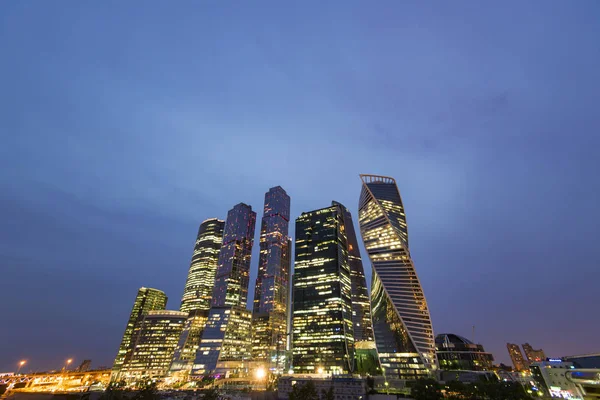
(316,318)
(531,356)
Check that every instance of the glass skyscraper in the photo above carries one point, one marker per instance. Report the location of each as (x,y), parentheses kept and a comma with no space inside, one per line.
(361,305)
(197,294)
(323,336)
(225,347)
(233,271)
(270,308)
(147,300)
(401,321)
(189,341)
(155,339)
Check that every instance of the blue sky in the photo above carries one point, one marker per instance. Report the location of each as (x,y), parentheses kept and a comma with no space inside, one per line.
(124,125)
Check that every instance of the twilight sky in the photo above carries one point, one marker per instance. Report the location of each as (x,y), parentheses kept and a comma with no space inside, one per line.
(123,125)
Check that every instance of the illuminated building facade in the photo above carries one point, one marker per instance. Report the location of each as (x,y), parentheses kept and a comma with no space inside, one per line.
(361,305)
(270,308)
(323,338)
(516,356)
(225,348)
(532,355)
(155,339)
(231,280)
(197,294)
(189,342)
(147,300)
(454,352)
(554,379)
(226,343)
(401,321)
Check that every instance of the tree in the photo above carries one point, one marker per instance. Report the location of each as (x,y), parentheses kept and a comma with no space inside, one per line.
(370,385)
(147,391)
(114,391)
(328,394)
(426,389)
(304,392)
(211,394)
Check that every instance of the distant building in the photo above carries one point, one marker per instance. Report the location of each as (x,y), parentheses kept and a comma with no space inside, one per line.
(553,379)
(401,321)
(189,342)
(271,295)
(516,356)
(454,352)
(226,343)
(584,360)
(197,294)
(323,337)
(147,300)
(84,366)
(155,339)
(532,355)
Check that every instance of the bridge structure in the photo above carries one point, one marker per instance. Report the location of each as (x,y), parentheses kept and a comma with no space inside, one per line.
(56,380)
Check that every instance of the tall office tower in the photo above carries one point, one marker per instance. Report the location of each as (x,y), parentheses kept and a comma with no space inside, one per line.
(516,356)
(227,338)
(401,320)
(189,342)
(270,311)
(197,294)
(323,335)
(361,306)
(155,339)
(147,299)
(533,355)
(231,281)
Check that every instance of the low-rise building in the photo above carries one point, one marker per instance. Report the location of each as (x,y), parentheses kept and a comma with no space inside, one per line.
(454,352)
(552,378)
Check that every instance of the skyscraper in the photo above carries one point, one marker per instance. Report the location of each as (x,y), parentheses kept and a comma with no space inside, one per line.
(155,339)
(189,342)
(231,281)
(361,306)
(323,336)
(197,294)
(516,356)
(533,355)
(225,348)
(226,341)
(401,320)
(270,310)
(147,299)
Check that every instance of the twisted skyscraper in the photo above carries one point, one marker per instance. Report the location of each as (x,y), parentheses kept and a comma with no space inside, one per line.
(401,320)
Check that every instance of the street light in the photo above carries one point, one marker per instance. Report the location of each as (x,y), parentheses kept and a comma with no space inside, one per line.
(261,374)
(21,365)
(320,370)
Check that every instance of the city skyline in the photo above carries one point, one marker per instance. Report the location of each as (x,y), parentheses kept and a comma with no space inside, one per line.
(117,144)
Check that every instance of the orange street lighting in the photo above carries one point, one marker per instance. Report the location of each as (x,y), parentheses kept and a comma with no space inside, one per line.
(21,365)
(260,373)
